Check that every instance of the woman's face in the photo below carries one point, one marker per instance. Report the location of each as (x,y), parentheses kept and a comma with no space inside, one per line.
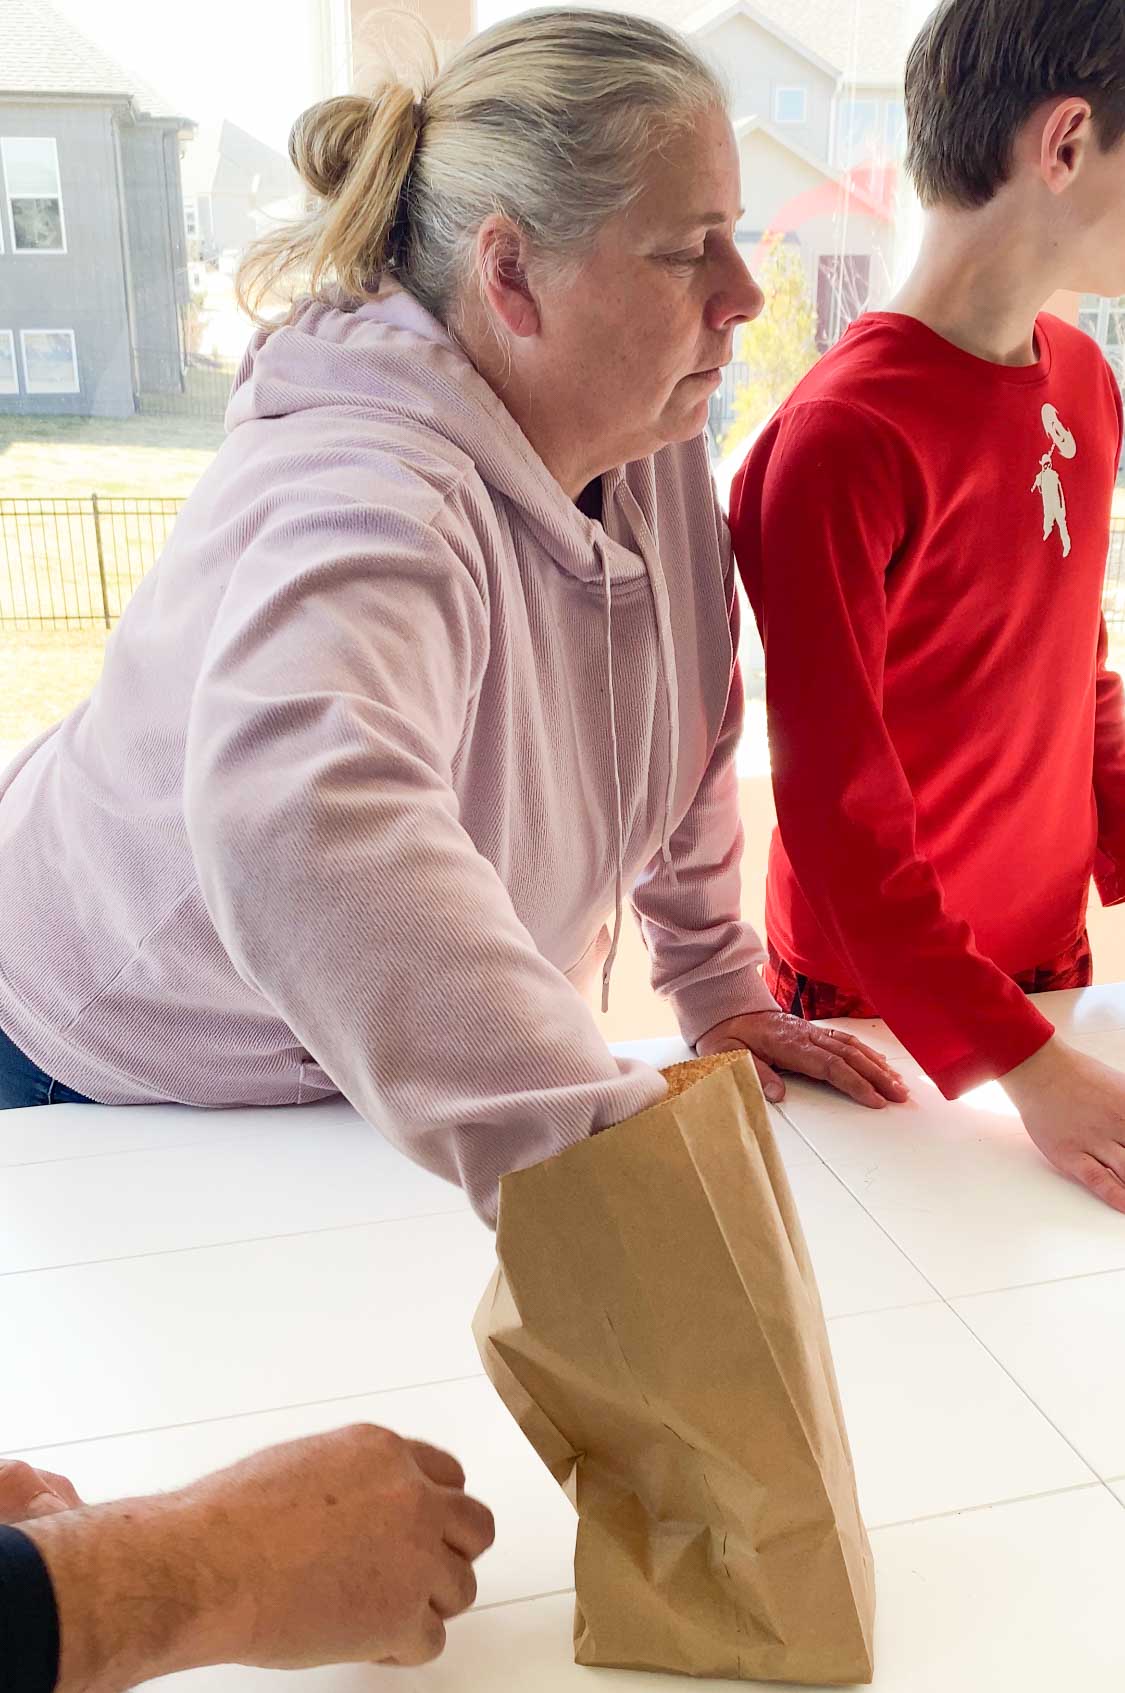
(632,347)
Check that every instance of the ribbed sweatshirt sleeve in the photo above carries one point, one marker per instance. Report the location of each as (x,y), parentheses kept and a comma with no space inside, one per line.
(328,845)
(815,520)
(704,958)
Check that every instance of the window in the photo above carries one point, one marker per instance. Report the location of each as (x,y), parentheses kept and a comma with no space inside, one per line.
(9,381)
(31,175)
(791,105)
(1105,321)
(858,132)
(843,294)
(50,361)
(191,218)
(894,130)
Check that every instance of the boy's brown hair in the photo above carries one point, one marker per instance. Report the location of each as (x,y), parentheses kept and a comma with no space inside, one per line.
(980,68)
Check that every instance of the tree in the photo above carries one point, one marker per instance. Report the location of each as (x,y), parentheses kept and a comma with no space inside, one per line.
(779,347)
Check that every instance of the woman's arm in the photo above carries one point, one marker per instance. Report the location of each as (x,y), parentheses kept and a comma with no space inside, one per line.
(334,865)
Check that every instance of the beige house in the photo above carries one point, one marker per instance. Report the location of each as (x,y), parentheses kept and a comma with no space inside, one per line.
(818,112)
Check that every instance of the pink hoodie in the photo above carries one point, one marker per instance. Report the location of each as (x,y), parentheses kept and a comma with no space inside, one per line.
(377,743)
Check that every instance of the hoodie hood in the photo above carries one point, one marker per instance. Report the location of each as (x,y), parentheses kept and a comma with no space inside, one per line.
(390,358)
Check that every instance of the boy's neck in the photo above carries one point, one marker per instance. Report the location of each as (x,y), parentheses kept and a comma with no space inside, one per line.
(981,280)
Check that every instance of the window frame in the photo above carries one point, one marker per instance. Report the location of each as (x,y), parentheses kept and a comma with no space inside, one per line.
(10,198)
(10,334)
(28,386)
(779,92)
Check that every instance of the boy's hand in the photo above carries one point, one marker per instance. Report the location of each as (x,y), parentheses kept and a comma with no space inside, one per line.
(1073,1107)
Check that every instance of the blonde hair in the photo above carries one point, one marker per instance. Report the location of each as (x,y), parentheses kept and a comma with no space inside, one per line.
(548,119)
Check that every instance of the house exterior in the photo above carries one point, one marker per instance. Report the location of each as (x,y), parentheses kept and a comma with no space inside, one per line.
(818,112)
(93,258)
(231,180)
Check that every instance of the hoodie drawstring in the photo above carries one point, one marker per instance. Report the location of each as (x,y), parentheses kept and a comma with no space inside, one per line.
(658,582)
(619,818)
(650,553)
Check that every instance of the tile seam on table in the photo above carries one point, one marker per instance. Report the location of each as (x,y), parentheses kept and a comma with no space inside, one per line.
(988,1505)
(1028,1395)
(242,1240)
(110,1152)
(873,1528)
(880,1310)
(241,1416)
(528,1599)
(1048,1281)
(948,1303)
(215,1138)
(882,1228)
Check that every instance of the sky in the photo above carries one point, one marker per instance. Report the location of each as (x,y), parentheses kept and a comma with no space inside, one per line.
(242,59)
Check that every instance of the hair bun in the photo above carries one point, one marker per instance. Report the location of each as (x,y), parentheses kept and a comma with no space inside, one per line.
(326,140)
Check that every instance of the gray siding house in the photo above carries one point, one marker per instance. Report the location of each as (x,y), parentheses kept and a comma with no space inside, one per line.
(93,258)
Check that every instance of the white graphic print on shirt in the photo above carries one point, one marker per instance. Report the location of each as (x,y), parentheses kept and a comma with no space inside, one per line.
(1049,483)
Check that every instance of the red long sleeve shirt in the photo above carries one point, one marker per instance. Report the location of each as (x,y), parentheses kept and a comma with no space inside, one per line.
(923,537)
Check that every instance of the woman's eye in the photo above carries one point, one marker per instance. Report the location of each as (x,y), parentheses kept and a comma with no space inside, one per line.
(692,258)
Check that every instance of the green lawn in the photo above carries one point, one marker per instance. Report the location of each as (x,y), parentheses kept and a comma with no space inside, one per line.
(44,672)
(59,456)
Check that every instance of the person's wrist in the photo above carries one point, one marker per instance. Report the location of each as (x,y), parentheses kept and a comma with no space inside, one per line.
(1041,1070)
(137,1593)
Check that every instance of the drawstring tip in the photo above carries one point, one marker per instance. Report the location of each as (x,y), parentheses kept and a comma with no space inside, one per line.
(607,977)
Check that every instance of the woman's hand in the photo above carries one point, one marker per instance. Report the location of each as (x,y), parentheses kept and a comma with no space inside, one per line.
(777,1041)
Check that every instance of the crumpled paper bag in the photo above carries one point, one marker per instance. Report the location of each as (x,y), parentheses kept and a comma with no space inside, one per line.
(655,1329)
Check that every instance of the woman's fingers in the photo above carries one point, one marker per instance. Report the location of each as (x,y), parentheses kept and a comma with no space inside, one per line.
(871,1065)
(772,1085)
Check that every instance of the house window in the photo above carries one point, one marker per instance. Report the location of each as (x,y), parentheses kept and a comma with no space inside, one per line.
(843,293)
(791,105)
(858,132)
(9,381)
(50,361)
(31,175)
(191,219)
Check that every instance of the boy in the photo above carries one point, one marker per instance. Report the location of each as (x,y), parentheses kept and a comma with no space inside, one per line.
(923,534)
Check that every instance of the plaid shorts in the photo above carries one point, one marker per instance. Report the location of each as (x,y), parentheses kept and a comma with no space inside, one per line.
(813,1000)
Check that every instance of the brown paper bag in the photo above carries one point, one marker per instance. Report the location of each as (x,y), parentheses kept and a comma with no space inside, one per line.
(655,1329)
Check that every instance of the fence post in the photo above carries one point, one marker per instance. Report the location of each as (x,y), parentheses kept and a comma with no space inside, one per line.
(101,560)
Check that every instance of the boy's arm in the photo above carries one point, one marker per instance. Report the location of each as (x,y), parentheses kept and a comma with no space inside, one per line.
(1109,744)
(1109,778)
(816,523)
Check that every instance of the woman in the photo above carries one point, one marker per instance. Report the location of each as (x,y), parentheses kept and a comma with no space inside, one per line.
(439,663)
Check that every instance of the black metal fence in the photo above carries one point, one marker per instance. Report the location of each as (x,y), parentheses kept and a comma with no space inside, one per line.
(73,563)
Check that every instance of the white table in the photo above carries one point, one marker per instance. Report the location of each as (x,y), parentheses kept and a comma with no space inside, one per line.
(178,1288)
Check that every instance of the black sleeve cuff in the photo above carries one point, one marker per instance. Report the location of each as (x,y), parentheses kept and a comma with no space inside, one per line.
(29,1618)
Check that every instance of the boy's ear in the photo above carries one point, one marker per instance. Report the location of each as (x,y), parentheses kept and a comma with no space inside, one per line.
(1066,134)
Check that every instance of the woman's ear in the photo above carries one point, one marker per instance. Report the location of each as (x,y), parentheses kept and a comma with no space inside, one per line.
(502,259)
